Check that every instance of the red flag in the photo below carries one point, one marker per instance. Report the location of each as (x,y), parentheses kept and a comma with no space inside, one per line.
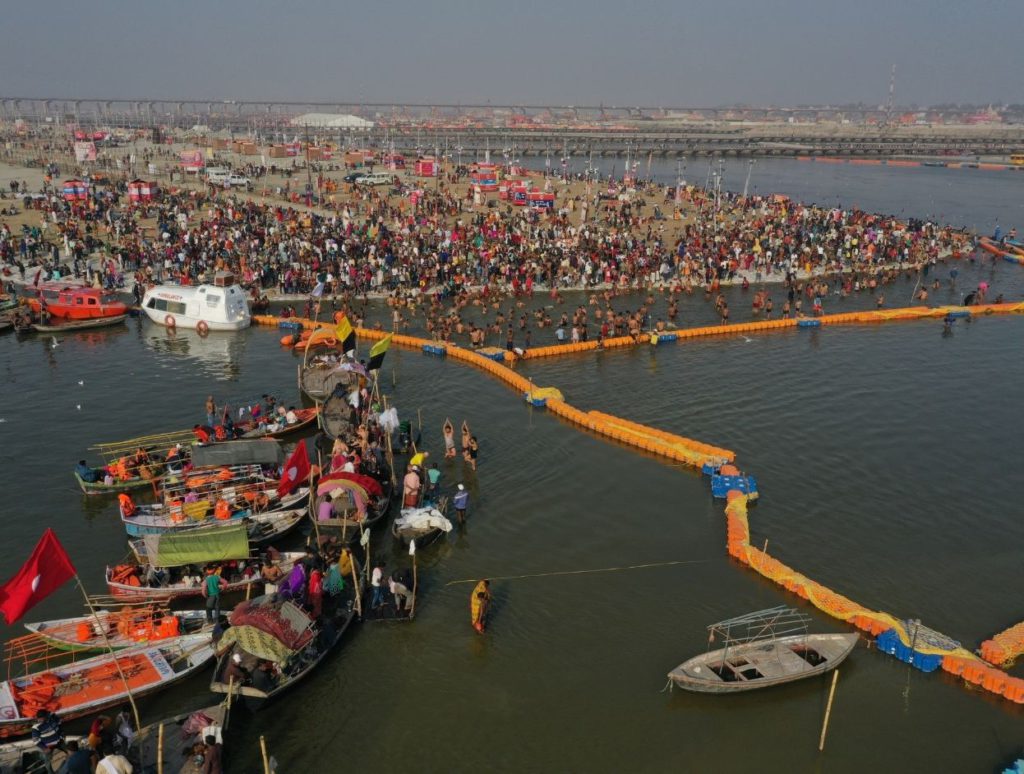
(44,572)
(39,273)
(296,470)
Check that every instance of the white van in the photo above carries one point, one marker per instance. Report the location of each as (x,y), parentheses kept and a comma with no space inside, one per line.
(217,175)
(375,178)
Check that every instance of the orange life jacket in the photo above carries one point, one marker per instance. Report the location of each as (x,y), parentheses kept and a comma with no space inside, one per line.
(222,510)
(168,627)
(126,505)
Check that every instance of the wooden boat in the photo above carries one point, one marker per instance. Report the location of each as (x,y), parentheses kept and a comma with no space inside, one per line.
(100,488)
(179,735)
(78,325)
(762,649)
(424,525)
(284,635)
(126,627)
(177,559)
(307,418)
(361,502)
(95,684)
(5,325)
(180,586)
(158,519)
(144,476)
(321,374)
(24,757)
(262,528)
(334,417)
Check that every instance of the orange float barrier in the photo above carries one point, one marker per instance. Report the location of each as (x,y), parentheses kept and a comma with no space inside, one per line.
(1001,648)
(669,438)
(1005,647)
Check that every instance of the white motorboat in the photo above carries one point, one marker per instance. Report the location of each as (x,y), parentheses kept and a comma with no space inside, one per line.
(222,306)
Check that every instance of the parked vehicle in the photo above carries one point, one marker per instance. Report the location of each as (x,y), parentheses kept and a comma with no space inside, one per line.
(375,178)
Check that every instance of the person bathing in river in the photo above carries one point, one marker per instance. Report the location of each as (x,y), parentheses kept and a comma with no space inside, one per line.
(471,452)
(448,431)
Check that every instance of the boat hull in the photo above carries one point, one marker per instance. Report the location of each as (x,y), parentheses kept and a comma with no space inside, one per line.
(756,665)
(192,323)
(57,633)
(150,668)
(99,488)
(140,526)
(79,325)
(255,699)
(423,537)
(180,591)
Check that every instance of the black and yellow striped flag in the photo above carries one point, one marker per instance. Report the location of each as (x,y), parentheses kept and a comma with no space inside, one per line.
(346,335)
(377,352)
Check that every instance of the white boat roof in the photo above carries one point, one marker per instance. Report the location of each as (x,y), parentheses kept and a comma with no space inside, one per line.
(183,292)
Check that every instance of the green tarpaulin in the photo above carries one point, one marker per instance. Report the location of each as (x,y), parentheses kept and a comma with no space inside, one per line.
(258,643)
(198,546)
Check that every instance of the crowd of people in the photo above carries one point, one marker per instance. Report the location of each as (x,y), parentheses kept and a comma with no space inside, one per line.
(108,746)
(370,240)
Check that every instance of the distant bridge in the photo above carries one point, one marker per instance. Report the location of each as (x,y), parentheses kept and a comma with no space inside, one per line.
(645,131)
(167,110)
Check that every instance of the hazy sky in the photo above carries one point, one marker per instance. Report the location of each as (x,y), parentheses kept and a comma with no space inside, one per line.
(644,52)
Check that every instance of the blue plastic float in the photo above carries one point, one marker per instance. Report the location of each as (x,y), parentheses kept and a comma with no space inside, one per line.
(889,642)
(721,485)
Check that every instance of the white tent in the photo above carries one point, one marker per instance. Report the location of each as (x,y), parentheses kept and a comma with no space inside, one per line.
(331,121)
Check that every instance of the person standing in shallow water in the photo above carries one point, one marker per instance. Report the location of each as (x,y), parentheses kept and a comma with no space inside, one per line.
(461,502)
(479,603)
(448,431)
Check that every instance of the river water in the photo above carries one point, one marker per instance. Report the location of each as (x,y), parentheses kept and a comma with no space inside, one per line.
(886,458)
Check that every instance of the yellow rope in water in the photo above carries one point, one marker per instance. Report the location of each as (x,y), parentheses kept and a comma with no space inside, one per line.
(579,572)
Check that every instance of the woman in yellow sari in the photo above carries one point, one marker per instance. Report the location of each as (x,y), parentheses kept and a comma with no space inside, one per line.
(479,602)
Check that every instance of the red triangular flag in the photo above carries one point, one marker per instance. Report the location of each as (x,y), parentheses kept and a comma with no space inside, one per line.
(296,470)
(44,572)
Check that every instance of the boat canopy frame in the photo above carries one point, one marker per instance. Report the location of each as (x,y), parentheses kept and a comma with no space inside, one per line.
(765,625)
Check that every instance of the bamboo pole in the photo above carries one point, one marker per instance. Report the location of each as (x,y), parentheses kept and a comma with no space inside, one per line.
(828,711)
(415,579)
(263,752)
(364,541)
(391,452)
(106,641)
(312,497)
(355,581)
(160,750)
